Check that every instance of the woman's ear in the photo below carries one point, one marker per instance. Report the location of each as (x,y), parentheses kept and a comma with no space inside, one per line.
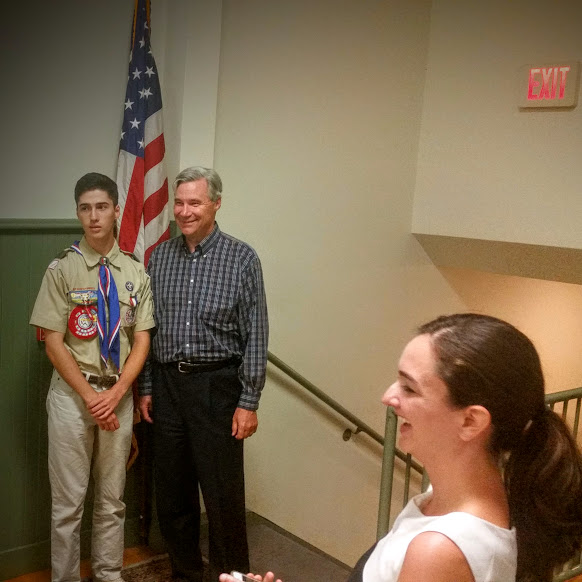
(476,421)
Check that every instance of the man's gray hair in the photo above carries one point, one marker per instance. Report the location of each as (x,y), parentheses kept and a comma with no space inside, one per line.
(198,173)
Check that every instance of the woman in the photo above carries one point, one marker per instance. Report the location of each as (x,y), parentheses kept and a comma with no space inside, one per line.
(505,501)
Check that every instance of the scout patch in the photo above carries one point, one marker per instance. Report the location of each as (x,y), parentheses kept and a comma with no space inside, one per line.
(129,317)
(53,264)
(83,296)
(83,321)
(130,313)
(129,286)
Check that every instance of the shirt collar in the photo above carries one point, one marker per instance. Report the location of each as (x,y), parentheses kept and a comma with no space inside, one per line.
(92,257)
(206,243)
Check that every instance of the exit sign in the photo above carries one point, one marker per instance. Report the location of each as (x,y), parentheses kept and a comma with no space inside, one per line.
(549,85)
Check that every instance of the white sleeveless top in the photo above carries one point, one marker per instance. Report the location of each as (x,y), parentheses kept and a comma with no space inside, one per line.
(490,550)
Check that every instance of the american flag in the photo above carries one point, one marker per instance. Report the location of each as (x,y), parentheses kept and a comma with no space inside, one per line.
(141,178)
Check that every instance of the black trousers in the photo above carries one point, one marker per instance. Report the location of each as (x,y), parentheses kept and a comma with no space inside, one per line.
(193,448)
(357,573)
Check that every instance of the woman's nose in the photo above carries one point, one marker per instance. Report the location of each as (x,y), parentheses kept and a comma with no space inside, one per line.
(389,398)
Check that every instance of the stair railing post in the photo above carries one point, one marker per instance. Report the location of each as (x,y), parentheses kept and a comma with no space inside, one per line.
(387,473)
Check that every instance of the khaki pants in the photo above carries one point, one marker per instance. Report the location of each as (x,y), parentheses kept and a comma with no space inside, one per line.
(77,447)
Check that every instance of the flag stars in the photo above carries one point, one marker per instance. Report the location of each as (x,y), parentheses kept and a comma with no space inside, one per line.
(122,135)
(141,43)
(145,93)
(137,73)
(149,71)
(135,124)
(128,104)
(140,143)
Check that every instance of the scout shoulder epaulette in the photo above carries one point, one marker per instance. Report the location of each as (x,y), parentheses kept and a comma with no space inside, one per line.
(65,252)
(60,256)
(131,255)
(74,247)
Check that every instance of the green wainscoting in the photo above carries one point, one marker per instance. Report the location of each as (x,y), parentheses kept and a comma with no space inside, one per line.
(26,248)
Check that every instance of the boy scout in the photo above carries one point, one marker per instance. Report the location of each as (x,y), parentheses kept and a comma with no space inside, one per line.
(96,309)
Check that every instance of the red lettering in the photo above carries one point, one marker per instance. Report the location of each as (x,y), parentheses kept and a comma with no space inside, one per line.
(545,92)
(564,71)
(532,84)
(554,82)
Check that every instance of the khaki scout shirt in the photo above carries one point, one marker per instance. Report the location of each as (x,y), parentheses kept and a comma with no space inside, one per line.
(72,273)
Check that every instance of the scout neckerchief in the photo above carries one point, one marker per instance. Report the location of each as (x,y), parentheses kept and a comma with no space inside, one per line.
(107,300)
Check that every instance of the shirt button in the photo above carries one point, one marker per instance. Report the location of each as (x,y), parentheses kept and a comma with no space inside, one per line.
(189,302)
(191,280)
(187,323)
(187,345)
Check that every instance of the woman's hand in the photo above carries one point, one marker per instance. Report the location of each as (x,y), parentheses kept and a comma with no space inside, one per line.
(269,577)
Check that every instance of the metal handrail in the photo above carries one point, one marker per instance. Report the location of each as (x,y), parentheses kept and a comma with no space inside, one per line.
(565,398)
(309,386)
(564,395)
(360,425)
(387,476)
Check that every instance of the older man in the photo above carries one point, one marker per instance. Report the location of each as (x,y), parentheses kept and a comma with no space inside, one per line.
(202,383)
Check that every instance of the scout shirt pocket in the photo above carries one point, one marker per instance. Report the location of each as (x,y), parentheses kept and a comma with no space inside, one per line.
(128,303)
(82,322)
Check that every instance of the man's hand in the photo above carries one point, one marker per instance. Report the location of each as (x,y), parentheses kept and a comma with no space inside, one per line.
(110,423)
(244,423)
(103,404)
(145,408)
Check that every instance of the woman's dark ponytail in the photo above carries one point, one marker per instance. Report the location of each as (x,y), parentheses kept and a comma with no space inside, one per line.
(543,478)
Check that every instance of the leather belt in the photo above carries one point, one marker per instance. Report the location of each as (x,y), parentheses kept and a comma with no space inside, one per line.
(102,381)
(188,367)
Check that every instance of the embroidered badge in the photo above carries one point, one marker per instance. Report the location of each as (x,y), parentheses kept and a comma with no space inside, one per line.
(129,286)
(83,322)
(83,296)
(129,317)
(53,264)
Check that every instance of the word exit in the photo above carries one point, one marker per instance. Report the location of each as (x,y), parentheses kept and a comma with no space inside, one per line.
(550,85)
(548,79)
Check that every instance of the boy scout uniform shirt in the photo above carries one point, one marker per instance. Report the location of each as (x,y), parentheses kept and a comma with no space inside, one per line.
(70,284)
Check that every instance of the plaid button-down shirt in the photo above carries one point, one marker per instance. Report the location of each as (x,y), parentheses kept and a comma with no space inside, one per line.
(210,305)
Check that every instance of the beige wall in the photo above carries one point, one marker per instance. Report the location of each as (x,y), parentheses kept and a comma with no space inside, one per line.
(546,311)
(64,69)
(485,169)
(318,119)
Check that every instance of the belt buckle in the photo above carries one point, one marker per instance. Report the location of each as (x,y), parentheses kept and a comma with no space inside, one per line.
(104,381)
(92,379)
(185,369)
